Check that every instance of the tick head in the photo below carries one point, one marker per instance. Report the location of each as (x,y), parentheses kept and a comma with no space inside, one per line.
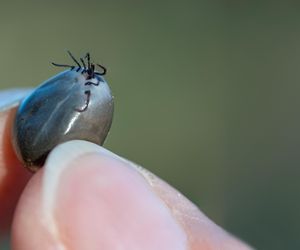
(87,68)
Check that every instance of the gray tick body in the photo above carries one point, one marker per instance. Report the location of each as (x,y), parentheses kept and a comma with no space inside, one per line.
(75,104)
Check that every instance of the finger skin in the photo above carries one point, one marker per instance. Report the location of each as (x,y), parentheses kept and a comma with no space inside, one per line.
(202,232)
(29,231)
(102,200)
(13,176)
(106,206)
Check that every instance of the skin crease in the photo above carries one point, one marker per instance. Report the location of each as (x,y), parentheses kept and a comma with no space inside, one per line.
(200,232)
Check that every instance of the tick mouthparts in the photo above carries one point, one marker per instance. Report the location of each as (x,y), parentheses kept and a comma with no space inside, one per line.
(87,66)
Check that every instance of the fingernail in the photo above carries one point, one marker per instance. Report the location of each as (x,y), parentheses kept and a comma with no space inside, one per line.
(95,199)
(11,97)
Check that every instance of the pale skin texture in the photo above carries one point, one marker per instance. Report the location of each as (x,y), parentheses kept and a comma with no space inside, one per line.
(121,206)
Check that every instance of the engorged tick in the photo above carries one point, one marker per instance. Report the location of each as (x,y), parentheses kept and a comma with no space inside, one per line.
(74,104)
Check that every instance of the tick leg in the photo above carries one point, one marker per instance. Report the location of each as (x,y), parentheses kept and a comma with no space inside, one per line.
(74,59)
(86,103)
(83,63)
(63,65)
(103,70)
(92,83)
(88,59)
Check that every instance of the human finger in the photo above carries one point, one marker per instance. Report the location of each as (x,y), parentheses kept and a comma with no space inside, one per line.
(13,176)
(86,197)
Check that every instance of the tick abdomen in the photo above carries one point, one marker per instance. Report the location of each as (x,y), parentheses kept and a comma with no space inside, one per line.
(53,114)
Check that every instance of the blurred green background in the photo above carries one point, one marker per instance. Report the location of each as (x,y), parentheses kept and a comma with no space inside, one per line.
(207,96)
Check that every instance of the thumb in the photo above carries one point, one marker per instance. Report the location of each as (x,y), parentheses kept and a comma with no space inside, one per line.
(86,198)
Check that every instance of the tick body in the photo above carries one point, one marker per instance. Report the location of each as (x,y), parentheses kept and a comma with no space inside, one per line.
(75,104)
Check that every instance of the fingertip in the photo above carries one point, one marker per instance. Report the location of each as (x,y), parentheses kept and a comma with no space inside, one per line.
(86,197)
(89,199)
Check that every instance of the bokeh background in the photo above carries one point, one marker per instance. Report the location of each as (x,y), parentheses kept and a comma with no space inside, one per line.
(207,96)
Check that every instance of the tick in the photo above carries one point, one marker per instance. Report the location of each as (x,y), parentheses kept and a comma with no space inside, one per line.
(74,104)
